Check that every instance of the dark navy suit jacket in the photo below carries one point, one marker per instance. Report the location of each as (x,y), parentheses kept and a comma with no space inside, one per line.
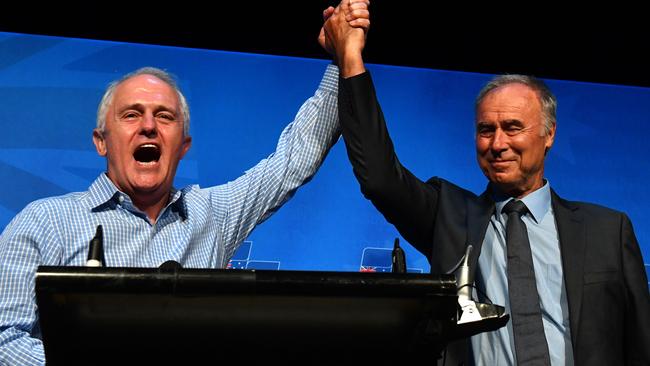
(604,274)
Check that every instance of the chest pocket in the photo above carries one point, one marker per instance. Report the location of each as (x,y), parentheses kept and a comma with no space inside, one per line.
(598,277)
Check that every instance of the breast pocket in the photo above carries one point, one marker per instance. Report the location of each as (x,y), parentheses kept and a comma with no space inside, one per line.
(598,277)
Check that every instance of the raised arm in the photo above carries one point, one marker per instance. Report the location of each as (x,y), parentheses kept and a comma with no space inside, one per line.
(300,151)
(302,147)
(403,199)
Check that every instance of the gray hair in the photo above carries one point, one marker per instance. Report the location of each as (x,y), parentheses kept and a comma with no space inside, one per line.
(546,97)
(166,77)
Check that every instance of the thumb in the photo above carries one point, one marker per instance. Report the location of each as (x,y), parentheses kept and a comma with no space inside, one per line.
(328,13)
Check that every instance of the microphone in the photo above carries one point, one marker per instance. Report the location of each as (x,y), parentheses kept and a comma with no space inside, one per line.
(473,312)
(469,312)
(464,283)
(170,266)
(96,249)
(398,258)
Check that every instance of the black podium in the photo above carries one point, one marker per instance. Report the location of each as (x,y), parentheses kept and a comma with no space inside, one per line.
(195,316)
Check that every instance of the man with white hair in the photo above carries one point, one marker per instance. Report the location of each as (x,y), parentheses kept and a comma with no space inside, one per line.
(143,131)
(570,274)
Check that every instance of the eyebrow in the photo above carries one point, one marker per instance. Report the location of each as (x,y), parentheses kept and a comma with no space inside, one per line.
(484,124)
(512,122)
(140,107)
(504,121)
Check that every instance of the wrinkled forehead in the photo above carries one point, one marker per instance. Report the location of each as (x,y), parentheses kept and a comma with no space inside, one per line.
(510,98)
(145,90)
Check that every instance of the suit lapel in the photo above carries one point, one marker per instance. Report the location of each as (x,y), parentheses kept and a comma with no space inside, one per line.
(478,217)
(571,231)
(479,211)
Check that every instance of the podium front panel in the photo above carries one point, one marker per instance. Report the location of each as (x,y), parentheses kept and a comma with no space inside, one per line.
(129,314)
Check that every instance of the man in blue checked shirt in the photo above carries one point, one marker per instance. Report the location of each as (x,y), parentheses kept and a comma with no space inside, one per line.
(143,131)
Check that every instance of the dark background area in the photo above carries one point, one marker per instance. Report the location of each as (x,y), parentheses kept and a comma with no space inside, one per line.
(604,45)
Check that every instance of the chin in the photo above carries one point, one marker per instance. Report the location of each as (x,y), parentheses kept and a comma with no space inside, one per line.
(502,178)
(148,185)
(504,182)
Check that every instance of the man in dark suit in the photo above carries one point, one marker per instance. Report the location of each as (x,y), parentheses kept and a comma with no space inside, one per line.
(589,284)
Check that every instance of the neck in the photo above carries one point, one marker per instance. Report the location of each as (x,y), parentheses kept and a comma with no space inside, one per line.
(151,203)
(515,192)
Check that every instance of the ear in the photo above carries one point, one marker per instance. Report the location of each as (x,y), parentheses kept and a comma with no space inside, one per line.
(100,143)
(187,143)
(550,138)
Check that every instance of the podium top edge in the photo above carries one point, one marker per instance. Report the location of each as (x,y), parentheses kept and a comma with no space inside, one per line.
(131,279)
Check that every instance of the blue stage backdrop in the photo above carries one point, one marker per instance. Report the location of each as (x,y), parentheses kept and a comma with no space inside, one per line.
(50,88)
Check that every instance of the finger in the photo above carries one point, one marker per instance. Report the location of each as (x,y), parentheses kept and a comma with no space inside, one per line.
(323,41)
(358,5)
(360,23)
(328,13)
(356,10)
(321,36)
(357,14)
(366,2)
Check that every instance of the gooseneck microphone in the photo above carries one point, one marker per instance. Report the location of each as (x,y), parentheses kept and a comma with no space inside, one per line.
(464,282)
(96,249)
(469,311)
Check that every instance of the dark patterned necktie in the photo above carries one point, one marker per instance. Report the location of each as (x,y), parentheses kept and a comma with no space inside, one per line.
(531,347)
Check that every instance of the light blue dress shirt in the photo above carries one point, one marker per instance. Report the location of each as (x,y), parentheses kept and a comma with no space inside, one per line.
(497,348)
(200,227)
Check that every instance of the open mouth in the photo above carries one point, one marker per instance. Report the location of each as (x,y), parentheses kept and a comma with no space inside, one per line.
(147,154)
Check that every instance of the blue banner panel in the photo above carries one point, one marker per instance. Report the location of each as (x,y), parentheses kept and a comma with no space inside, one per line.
(50,88)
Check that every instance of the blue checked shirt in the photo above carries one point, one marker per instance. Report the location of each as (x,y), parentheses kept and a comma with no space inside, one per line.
(200,227)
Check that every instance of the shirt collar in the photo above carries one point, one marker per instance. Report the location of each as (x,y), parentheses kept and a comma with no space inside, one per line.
(177,202)
(538,202)
(104,194)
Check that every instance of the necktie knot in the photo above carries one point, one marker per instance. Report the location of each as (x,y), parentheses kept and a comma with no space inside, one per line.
(515,206)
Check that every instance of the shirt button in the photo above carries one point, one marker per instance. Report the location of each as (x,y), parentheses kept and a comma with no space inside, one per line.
(121,199)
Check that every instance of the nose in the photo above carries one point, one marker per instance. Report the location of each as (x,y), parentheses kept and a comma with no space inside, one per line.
(499,142)
(148,125)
